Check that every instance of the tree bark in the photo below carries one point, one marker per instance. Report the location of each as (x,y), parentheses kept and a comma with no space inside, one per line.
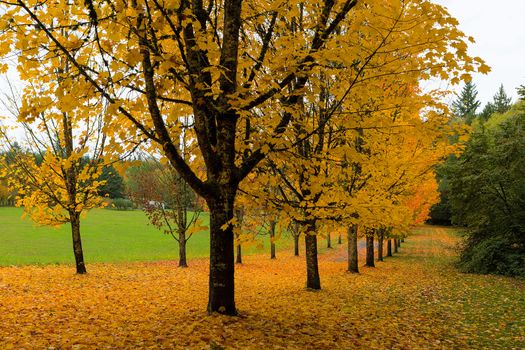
(182,249)
(313,281)
(395,245)
(328,241)
(272,242)
(399,243)
(296,245)
(221,297)
(238,258)
(340,239)
(380,245)
(352,249)
(389,248)
(370,250)
(77,243)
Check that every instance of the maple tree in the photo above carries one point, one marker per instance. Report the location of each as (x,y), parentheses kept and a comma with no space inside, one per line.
(56,179)
(238,68)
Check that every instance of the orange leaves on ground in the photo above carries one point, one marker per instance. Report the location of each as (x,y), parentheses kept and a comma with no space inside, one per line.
(412,301)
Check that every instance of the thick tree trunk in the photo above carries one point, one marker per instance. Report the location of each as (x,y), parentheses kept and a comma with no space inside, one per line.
(328,241)
(272,238)
(182,249)
(221,297)
(313,281)
(352,249)
(340,239)
(370,250)
(389,248)
(296,245)
(77,243)
(395,245)
(380,246)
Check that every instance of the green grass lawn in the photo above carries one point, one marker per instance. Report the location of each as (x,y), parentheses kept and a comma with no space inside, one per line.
(107,236)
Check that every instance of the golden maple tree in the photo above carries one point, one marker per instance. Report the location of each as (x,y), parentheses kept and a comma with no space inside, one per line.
(240,70)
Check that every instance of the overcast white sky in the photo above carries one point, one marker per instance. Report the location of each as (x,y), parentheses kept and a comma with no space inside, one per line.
(497,27)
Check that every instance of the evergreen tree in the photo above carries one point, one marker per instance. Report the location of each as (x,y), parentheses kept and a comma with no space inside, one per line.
(114,186)
(521,92)
(488,110)
(466,105)
(502,102)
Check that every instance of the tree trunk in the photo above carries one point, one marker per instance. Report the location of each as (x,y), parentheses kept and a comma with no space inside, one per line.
(238,259)
(339,239)
(389,248)
(313,280)
(395,245)
(328,241)
(182,249)
(352,249)
(370,250)
(296,245)
(380,246)
(399,243)
(272,242)
(77,243)
(221,297)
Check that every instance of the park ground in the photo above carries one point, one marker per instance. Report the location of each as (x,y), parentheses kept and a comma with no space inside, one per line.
(414,300)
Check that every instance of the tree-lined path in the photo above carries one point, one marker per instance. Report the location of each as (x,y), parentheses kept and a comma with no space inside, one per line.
(414,300)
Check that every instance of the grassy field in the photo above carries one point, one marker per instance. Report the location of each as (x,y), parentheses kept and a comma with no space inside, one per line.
(414,300)
(107,236)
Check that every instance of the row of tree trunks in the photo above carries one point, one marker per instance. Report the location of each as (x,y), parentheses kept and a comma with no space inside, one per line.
(353,251)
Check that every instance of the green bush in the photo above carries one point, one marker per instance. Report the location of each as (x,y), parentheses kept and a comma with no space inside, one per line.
(493,255)
(487,195)
(121,204)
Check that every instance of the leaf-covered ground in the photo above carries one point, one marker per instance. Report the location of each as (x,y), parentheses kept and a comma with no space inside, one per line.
(414,300)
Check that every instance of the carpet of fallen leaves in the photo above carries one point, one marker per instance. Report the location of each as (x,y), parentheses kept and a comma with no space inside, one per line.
(414,300)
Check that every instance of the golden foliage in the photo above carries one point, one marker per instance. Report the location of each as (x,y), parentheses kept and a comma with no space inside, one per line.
(408,302)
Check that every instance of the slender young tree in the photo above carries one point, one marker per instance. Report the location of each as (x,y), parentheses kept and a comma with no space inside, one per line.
(58,177)
(169,203)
